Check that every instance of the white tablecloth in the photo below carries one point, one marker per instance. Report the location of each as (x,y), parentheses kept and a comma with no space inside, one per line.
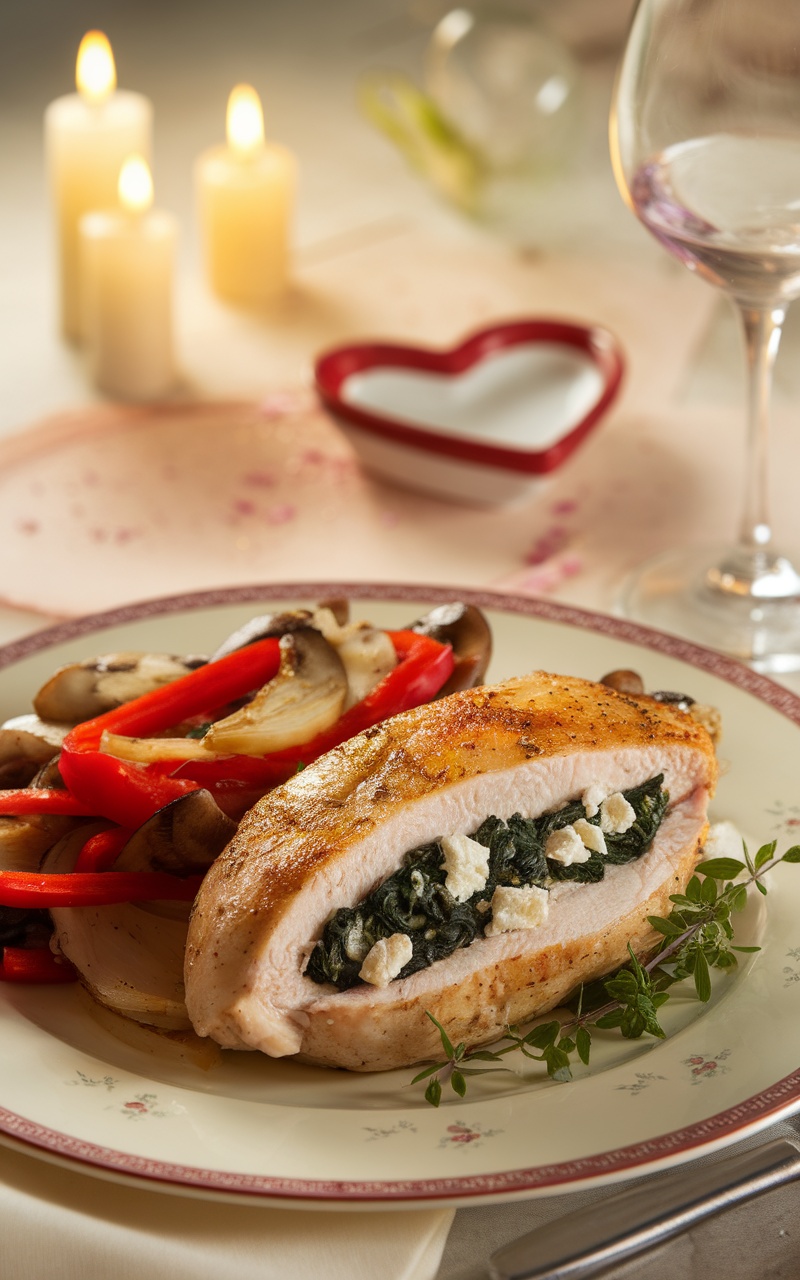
(376,255)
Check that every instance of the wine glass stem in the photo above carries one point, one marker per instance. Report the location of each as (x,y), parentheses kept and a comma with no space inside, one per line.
(762,328)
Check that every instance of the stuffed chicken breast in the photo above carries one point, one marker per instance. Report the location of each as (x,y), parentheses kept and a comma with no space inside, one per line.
(476,858)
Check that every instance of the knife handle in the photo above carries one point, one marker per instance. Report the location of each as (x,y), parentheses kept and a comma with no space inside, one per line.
(610,1230)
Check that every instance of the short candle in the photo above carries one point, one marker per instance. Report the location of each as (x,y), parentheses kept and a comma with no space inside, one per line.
(245,194)
(127,266)
(88,134)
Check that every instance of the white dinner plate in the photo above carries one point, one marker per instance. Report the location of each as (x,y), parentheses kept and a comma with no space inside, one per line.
(268,1131)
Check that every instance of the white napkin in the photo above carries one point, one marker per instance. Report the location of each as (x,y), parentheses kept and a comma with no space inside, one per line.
(56,1224)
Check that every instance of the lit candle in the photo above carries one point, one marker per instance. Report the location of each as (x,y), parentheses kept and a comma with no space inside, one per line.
(88,134)
(245,194)
(127,263)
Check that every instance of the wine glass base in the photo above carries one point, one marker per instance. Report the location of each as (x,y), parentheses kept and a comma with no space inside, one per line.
(680,592)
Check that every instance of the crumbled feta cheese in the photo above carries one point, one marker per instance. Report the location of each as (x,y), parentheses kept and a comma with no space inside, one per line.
(565,846)
(355,945)
(616,815)
(467,865)
(592,798)
(591,836)
(384,961)
(517,909)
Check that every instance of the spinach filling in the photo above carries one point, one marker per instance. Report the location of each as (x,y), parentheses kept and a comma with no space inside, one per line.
(415,901)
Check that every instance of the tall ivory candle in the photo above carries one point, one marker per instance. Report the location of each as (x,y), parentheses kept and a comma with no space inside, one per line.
(245,194)
(127,265)
(88,135)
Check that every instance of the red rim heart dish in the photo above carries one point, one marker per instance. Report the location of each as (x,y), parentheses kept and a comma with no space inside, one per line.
(482,422)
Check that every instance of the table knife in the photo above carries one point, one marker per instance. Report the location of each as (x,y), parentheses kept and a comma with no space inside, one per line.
(610,1230)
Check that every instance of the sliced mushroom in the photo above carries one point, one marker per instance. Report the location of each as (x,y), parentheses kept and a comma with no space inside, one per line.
(673,699)
(368,655)
(23,844)
(17,773)
(339,607)
(129,959)
(465,628)
(624,681)
(29,736)
(278,624)
(260,628)
(306,696)
(183,838)
(25,841)
(631,682)
(49,776)
(26,743)
(366,651)
(82,690)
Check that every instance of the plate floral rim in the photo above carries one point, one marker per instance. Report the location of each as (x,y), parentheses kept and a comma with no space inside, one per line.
(717,664)
(780,1099)
(773,1104)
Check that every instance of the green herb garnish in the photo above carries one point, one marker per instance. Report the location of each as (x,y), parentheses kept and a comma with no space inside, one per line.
(696,937)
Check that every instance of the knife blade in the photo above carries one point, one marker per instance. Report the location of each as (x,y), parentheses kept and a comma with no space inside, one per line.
(614,1229)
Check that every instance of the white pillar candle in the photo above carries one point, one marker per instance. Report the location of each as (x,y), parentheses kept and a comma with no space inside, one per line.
(245,194)
(88,134)
(127,265)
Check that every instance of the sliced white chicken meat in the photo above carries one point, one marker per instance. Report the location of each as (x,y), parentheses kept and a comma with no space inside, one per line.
(329,836)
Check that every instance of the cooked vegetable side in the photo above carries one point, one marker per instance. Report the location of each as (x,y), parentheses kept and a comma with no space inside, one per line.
(370,841)
(115,808)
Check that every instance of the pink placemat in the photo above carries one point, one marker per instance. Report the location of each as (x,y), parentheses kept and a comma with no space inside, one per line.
(117,504)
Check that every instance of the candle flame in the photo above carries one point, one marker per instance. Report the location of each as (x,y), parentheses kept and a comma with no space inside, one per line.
(245,121)
(95,72)
(135,185)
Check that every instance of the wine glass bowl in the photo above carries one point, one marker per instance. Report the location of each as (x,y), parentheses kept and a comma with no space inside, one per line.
(705,145)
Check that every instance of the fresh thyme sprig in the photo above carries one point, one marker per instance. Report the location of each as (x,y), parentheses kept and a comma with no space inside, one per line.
(696,937)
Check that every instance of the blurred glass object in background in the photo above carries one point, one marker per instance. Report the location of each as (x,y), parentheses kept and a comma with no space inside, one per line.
(499,114)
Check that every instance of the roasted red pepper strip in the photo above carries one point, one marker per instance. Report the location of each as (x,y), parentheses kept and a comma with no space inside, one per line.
(93,888)
(35,964)
(130,793)
(27,800)
(102,849)
(126,793)
(425,664)
(209,686)
(236,782)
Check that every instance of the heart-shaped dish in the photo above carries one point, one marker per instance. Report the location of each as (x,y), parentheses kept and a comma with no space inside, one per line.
(481,422)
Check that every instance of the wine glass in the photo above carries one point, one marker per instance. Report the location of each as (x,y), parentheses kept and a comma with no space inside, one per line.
(705,144)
